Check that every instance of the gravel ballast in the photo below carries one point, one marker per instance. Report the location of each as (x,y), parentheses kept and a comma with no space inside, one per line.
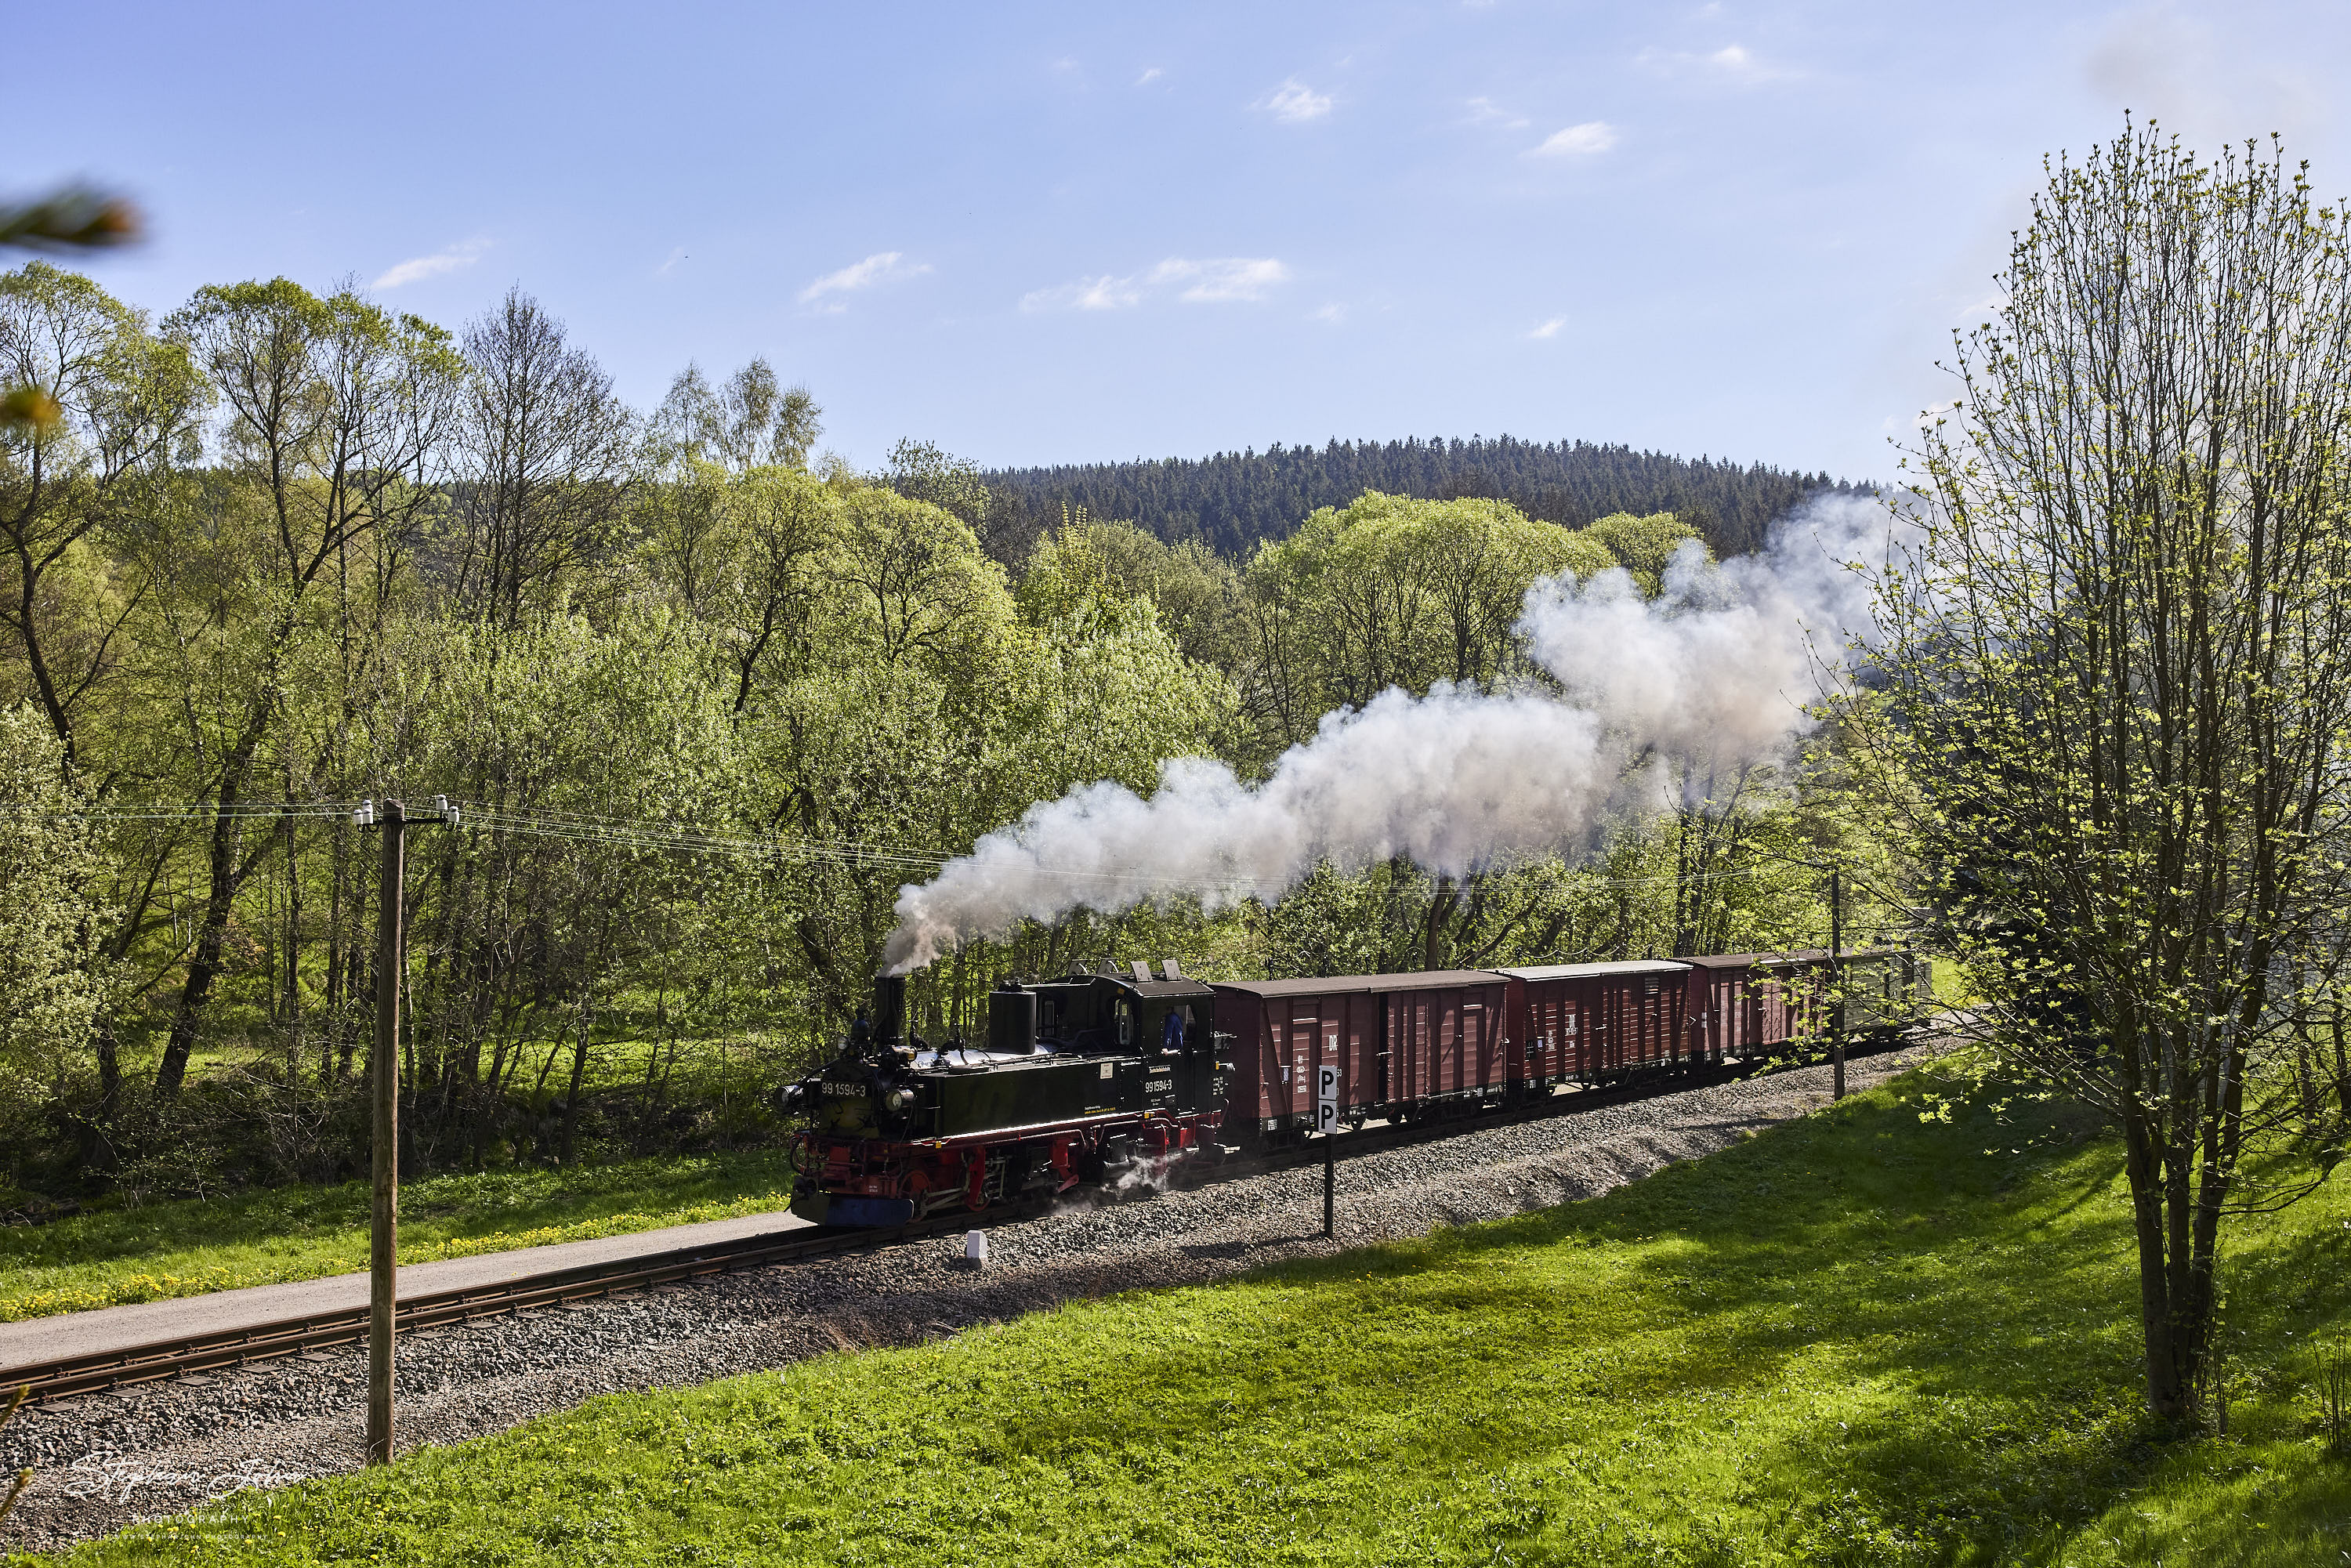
(110,1460)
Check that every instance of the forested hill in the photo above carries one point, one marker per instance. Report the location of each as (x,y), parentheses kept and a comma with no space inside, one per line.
(1235,499)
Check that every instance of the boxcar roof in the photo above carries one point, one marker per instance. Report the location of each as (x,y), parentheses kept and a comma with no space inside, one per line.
(1338,985)
(1794,956)
(1584,971)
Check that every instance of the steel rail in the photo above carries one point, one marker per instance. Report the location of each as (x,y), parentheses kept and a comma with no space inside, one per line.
(188,1356)
(213,1350)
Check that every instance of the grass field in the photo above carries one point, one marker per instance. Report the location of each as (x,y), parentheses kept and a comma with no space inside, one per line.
(1864,1338)
(187,1247)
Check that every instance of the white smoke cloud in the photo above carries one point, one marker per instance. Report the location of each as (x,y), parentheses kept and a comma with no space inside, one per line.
(1723,663)
(1718,670)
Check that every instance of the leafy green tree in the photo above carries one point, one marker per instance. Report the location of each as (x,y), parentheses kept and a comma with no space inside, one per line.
(51,985)
(543,454)
(745,554)
(1197,591)
(123,403)
(749,421)
(2119,687)
(920,471)
(331,409)
(913,586)
(1642,546)
(612,747)
(1393,591)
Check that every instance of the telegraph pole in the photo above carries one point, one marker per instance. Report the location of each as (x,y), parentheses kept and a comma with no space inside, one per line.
(383,1227)
(383,1224)
(1837,975)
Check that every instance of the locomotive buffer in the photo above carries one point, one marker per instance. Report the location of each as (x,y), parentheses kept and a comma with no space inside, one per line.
(1326,1123)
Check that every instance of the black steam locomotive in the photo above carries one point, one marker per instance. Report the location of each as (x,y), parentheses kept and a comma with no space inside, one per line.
(1092,1079)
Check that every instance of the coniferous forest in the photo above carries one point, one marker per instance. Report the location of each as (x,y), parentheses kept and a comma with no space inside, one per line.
(1235,500)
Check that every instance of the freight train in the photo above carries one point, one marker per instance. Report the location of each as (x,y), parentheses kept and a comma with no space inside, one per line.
(1112,1078)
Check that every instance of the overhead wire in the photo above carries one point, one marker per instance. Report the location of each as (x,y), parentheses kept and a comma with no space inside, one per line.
(619,833)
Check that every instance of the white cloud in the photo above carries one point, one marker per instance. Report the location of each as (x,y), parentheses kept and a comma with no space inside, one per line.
(677,254)
(1334,313)
(1584,140)
(1486,112)
(1109,294)
(1549,328)
(882,266)
(1734,63)
(1220,282)
(1104,292)
(1149,75)
(1223,281)
(1294,102)
(1737,62)
(416,269)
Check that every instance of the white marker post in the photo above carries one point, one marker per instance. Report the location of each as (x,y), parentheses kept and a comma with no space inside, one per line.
(1326,1123)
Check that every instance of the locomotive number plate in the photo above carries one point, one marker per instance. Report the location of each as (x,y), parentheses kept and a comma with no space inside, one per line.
(846,1091)
(1160,1086)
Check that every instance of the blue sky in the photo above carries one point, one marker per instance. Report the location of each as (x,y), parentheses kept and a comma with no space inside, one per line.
(1066,233)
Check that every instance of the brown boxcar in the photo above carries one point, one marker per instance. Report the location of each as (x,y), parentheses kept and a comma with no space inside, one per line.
(1445,1037)
(1579,1023)
(1399,1041)
(1744,1004)
(1886,990)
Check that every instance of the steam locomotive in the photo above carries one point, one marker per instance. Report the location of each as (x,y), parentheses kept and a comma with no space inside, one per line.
(1104,1079)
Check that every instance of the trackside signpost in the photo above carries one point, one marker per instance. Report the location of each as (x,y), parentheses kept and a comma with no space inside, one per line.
(1326,1123)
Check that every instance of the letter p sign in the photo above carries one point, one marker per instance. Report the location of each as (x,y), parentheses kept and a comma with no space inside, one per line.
(1326,1097)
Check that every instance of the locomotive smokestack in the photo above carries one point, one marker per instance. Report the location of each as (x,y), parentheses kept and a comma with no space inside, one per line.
(890,1012)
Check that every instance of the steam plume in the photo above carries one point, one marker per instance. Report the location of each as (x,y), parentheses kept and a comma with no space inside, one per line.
(1716,669)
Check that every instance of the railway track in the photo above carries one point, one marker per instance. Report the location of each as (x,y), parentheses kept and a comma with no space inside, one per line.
(218,1350)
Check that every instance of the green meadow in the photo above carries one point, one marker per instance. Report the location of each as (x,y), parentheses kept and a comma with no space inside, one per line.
(267,1236)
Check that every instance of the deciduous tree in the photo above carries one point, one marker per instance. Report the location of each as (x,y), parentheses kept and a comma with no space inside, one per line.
(2119,666)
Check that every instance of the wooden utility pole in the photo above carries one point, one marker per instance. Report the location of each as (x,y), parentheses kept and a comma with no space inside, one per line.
(383,1232)
(1836,976)
(383,1225)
